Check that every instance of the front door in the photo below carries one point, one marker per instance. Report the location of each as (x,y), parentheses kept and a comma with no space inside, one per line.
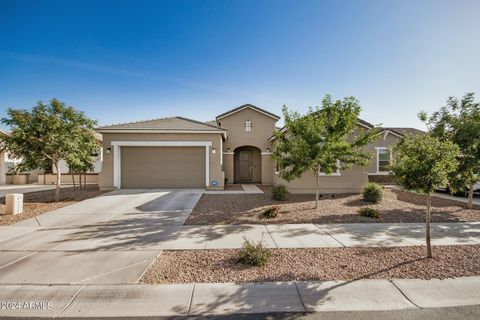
(246,166)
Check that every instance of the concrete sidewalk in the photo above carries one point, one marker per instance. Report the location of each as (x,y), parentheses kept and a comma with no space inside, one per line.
(118,253)
(26,188)
(246,298)
(147,234)
(247,189)
(476,201)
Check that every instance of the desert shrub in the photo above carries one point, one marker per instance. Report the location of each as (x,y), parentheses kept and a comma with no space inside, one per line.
(271,212)
(369,212)
(254,254)
(279,193)
(373,192)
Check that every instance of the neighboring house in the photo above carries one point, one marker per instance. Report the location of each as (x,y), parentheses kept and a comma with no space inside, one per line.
(235,148)
(7,162)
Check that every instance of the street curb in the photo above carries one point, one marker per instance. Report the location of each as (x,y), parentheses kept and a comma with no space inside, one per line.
(181,300)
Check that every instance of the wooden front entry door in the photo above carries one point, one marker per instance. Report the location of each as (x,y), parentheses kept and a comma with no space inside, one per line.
(246,166)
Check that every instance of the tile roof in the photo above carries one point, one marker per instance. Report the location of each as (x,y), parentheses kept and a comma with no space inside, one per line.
(251,106)
(172,123)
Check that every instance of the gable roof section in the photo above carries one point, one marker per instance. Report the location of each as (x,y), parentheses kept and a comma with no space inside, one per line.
(247,106)
(365,124)
(407,131)
(167,125)
(360,122)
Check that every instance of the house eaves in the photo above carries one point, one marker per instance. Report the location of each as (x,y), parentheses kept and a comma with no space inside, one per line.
(247,106)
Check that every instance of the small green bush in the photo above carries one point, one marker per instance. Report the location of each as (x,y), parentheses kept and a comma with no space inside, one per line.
(373,192)
(279,193)
(254,254)
(271,212)
(369,212)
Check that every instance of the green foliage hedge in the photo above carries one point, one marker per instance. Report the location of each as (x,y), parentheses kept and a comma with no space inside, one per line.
(254,254)
(369,212)
(279,193)
(373,192)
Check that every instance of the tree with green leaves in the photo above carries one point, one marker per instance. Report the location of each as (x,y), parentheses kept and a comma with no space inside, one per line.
(82,161)
(321,139)
(459,122)
(422,164)
(47,134)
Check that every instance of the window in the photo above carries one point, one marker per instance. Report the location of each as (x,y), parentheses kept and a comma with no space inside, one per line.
(248,126)
(383,160)
(337,173)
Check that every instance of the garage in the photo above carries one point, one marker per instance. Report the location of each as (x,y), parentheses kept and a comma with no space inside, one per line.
(162,167)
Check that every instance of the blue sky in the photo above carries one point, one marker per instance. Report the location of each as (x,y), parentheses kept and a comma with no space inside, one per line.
(121,61)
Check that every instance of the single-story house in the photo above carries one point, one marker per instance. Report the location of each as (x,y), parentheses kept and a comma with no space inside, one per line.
(236,147)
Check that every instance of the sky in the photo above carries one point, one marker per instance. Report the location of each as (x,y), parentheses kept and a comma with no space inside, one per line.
(122,61)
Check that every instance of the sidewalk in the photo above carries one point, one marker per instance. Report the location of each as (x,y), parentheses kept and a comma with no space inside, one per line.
(459,199)
(26,188)
(247,298)
(121,235)
(247,189)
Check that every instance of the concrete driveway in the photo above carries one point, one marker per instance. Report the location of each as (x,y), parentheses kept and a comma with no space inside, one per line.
(93,241)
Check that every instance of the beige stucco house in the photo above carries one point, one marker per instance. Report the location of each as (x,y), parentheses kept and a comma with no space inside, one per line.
(236,147)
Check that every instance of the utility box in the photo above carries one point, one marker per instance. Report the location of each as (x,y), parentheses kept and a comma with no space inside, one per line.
(14,203)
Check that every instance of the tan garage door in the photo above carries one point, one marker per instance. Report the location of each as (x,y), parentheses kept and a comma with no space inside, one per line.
(163,167)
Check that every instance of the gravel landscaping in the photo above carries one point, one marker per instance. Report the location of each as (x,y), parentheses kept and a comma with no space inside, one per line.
(397,206)
(315,264)
(36,203)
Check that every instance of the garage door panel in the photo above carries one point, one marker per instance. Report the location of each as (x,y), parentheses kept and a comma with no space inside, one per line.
(163,167)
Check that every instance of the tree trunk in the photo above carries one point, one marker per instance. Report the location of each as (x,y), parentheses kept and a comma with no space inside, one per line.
(470,196)
(59,178)
(85,180)
(427,231)
(80,180)
(73,180)
(317,192)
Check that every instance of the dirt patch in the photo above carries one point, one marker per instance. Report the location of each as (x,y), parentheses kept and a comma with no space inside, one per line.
(233,187)
(36,203)
(316,264)
(397,206)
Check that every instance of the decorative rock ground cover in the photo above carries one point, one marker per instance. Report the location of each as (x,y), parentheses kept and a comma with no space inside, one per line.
(396,207)
(189,266)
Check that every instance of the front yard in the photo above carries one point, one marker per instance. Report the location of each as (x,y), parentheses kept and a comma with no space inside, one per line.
(36,203)
(397,206)
(189,266)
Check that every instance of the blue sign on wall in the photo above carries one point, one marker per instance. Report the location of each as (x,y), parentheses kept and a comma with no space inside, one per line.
(214,183)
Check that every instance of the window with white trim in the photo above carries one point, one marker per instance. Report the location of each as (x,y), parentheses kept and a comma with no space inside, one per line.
(248,126)
(336,173)
(383,160)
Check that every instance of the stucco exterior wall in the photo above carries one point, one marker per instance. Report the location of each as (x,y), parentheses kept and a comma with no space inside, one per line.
(263,127)
(228,166)
(215,167)
(350,181)
(383,140)
(268,168)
